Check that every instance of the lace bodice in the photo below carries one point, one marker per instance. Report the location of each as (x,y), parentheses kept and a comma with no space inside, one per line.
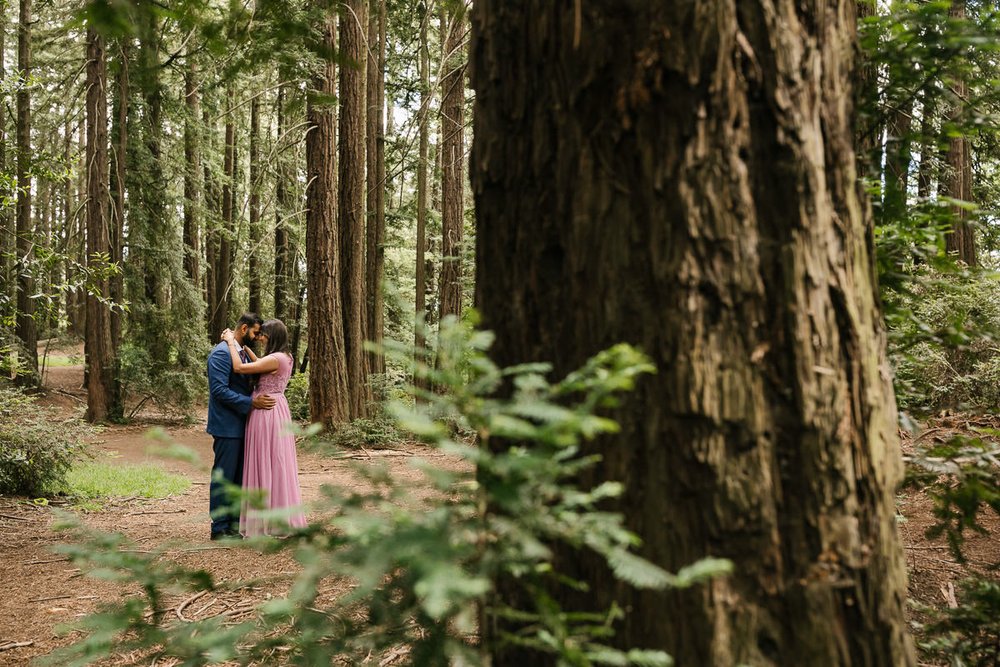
(275,383)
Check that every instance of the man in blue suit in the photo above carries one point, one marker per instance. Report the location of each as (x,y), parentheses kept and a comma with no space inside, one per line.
(229,403)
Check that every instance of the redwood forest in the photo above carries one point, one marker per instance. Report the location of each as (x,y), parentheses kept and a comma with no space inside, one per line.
(500,332)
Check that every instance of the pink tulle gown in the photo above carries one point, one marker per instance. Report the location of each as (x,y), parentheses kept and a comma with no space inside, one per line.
(269,461)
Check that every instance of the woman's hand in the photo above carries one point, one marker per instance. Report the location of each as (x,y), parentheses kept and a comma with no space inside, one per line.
(228,336)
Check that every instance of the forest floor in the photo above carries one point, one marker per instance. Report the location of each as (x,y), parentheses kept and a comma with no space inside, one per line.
(43,590)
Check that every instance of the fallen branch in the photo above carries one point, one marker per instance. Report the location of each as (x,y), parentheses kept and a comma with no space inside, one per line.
(180,608)
(949,595)
(41,562)
(180,511)
(10,645)
(54,597)
(15,518)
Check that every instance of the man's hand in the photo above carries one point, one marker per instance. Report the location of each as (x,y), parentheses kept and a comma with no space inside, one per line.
(262,402)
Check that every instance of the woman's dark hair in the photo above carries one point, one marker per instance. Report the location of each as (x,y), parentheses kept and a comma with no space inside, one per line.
(277,336)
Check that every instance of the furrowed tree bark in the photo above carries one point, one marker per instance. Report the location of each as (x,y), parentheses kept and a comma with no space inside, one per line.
(255,230)
(351,201)
(957,181)
(103,394)
(375,254)
(682,177)
(328,390)
(192,174)
(452,162)
(426,95)
(26,329)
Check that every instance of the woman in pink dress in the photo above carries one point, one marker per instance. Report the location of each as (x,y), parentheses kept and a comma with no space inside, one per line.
(269,462)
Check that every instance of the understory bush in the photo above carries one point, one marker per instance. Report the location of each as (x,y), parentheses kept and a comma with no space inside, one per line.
(170,385)
(37,447)
(424,573)
(944,344)
(297,394)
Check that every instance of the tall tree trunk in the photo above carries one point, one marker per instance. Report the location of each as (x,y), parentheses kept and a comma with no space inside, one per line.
(223,273)
(119,130)
(328,389)
(928,144)
(351,201)
(27,332)
(192,174)
(452,159)
(102,387)
(67,198)
(213,207)
(691,189)
(420,300)
(156,230)
(255,230)
(375,256)
(8,229)
(957,182)
(897,160)
(78,248)
(282,208)
(869,131)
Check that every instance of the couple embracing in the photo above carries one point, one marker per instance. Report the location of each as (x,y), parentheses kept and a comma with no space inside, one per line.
(248,417)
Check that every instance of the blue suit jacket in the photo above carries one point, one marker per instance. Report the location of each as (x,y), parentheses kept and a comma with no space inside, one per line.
(228,395)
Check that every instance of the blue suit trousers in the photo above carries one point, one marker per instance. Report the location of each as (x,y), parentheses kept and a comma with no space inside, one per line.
(228,460)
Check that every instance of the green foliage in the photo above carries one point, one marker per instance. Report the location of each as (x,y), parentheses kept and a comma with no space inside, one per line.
(968,635)
(943,341)
(98,479)
(960,476)
(425,572)
(297,394)
(37,447)
(153,373)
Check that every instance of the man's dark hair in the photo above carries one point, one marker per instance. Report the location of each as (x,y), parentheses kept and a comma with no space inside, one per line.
(249,319)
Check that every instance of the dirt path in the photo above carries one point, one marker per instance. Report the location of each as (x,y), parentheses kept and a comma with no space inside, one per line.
(42,590)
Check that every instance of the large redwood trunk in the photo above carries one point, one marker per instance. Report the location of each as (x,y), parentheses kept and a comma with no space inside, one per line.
(192,175)
(957,181)
(375,254)
(452,162)
(681,176)
(351,201)
(27,331)
(103,395)
(255,230)
(328,396)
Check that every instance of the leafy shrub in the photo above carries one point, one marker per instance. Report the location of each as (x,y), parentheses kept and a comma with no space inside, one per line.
(170,385)
(425,574)
(968,634)
(943,343)
(297,393)
(37,448)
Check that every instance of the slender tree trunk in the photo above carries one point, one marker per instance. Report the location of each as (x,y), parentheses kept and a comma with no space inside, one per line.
(328,389)
(255,226)
(925,171)
(691,189)
(351,201)
(282,208)
(869,124)
(426,95)
(897,161)
(213,206)
(957,182)
(78,248)
(223,274)
(156,230)
(375,256)
(452,161)
(26,329)
(43,317)
(119,130)
(67,199)
(192,174)
(8,229)
(102,387)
